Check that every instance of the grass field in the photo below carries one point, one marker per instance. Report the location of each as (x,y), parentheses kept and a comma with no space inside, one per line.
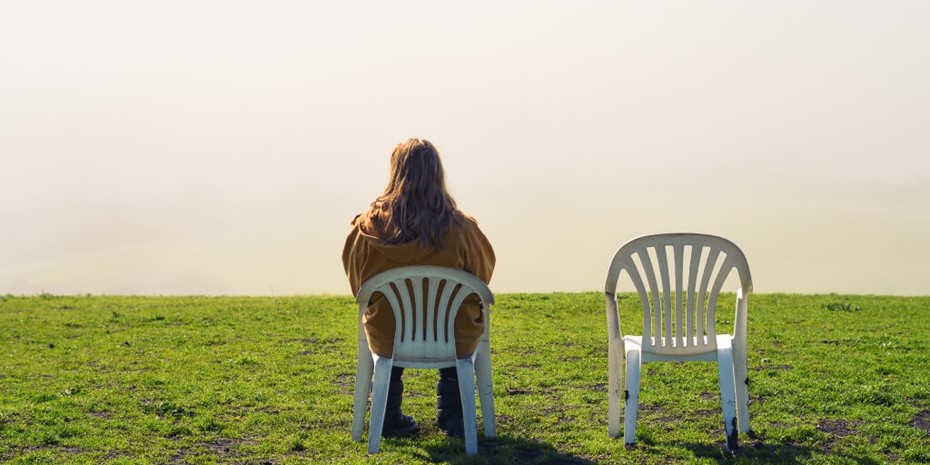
(268,380)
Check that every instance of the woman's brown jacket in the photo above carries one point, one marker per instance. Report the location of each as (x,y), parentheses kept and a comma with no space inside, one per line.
(464,247)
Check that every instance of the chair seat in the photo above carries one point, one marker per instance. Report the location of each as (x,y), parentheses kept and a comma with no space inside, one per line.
(708,355)
(426,364)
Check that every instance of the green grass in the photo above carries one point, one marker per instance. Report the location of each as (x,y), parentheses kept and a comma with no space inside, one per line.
(835,379)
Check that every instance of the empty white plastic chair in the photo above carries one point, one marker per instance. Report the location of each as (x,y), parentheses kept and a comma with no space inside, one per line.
(425,300)
(678,278)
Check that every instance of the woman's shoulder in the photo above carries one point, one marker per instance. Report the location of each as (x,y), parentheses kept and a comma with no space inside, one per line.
(364,224)
(465,221)
(466,227)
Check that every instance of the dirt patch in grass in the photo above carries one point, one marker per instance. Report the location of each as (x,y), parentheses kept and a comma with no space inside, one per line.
(837,429)
(600,350)
(413,394)
(707,412)
(658,414)
(346,383)
(549,409)
(113,455)
(224,449)
(224,446)
(504,419)
(518,391)
(319,346)
(60,449)
(599,387)
(922,421)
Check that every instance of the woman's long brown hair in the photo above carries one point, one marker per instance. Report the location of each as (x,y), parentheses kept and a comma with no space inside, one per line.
(415,204)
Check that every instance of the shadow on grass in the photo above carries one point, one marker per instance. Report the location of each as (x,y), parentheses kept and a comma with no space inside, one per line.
(503,450)
(757,451)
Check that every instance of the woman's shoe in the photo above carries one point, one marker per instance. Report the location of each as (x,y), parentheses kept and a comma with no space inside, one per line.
(453,427)
(400,425)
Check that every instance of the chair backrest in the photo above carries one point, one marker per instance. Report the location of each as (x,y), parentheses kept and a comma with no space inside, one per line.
(425,300)
(684,273)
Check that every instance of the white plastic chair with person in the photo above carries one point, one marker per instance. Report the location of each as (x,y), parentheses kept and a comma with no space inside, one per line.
(425,300)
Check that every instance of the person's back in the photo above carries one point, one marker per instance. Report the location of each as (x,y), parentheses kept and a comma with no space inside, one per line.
(416,222)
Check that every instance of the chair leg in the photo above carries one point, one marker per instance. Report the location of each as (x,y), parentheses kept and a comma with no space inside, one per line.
(741,376)
(486,390)
(614,390)
(727,394)
(379,393)
(466,373)
(362,389)
(633,370)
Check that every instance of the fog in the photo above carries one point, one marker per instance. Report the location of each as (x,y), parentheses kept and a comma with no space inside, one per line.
(223,147)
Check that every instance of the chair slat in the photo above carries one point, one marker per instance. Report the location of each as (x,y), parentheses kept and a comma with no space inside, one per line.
(460,296)
(715,291)
(416,285)
(635,276)
(443,310)
(390,291)
(692,297)
(656,335)
(666,295)
(703,322)
(678,251)
(410,332)
(431,299)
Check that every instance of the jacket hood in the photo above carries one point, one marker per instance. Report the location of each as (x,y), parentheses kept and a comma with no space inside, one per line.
(402,254)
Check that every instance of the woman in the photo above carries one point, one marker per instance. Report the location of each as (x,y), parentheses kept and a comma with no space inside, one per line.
(416,222)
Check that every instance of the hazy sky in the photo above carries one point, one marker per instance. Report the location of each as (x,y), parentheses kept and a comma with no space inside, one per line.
(222,147)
